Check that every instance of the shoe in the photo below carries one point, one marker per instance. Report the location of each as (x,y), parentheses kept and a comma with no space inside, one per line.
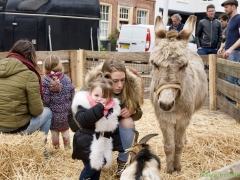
(121,165)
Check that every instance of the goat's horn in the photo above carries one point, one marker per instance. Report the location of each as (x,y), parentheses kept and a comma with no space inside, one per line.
(145,139)
(136,136)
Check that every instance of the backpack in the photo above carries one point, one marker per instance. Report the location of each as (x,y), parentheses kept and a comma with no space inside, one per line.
(55,84)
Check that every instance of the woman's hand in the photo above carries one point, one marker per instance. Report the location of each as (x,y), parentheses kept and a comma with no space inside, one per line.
(125,113)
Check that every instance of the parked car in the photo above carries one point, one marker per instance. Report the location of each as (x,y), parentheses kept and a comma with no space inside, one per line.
(136,38)
(141,38)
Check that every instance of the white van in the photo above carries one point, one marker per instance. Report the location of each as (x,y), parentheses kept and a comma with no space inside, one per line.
(136,38)
(141,38)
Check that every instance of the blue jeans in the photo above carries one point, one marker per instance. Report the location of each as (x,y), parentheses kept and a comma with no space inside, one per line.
(207,51)
(41,122)
(127,135)
(88,173)
(234,56)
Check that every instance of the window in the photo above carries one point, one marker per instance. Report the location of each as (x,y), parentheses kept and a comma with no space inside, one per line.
(142,17)
(105,21)
(124,13)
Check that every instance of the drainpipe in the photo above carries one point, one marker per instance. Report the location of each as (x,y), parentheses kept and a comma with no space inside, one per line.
(165,12)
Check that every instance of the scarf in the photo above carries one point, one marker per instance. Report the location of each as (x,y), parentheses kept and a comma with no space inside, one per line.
(108,106)
(55,75)
(29,66)
(178,27)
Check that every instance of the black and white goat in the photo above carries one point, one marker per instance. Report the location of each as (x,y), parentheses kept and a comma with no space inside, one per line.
(144,164)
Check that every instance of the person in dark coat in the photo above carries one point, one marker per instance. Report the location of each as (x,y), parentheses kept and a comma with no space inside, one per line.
(176,23)
(97,113)
(59,100)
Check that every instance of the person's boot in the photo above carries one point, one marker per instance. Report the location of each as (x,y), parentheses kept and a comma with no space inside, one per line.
(120,168)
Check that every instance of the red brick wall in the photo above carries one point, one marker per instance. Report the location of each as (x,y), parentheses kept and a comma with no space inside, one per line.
(135,3)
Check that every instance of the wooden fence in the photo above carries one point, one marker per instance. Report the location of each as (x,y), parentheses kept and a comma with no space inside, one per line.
(77,62)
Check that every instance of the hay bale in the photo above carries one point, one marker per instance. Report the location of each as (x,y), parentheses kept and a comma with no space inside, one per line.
(20,155)
(212,142)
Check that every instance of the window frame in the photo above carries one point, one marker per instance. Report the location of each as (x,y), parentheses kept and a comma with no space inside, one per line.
(130,15)
(109,20)
(147,16)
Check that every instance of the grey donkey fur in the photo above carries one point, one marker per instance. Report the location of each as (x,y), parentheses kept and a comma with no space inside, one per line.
(178,87)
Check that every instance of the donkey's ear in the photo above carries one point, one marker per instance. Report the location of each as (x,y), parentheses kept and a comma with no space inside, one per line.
(188,28)
(159,28)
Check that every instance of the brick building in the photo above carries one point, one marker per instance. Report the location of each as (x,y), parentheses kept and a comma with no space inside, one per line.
(117,12)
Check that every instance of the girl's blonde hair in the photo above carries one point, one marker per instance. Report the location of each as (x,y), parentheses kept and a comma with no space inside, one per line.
(104,84)
(113,65)
(52,63)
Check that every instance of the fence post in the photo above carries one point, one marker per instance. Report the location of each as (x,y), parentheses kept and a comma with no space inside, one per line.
(81,58)
(212,81)
(77,67)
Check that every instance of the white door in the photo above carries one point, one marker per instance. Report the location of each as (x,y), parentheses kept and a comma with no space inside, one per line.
(138,42)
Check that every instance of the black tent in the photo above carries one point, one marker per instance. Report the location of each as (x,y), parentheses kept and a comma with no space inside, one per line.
(50,24)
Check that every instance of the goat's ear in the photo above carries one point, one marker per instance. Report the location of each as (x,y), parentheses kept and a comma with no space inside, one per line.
(145,139)
(188,28)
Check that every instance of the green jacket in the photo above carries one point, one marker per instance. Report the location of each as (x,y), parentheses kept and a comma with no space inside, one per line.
(20,97)
(138,112)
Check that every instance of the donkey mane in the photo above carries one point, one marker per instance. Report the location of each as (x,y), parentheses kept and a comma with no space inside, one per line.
(169,50)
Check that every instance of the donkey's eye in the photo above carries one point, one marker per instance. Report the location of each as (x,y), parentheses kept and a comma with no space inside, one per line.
(156,66)
(183,67)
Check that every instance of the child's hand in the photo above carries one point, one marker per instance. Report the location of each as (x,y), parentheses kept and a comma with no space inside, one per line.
(104,101)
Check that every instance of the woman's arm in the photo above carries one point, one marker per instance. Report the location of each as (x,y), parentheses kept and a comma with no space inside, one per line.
(137,115)
(35,105)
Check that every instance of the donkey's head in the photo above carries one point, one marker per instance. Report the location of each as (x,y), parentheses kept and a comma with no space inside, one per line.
(170,61)
(137,146)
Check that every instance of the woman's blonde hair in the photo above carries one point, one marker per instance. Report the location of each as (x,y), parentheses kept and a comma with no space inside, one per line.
(52,63)
(113,65)
(104,84)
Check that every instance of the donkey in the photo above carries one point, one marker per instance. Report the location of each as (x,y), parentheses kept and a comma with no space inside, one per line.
(178,87)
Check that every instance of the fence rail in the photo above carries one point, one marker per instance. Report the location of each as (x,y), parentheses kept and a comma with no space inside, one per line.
(79,61)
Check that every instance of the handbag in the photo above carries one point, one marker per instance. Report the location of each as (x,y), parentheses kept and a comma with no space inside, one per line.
(73,124)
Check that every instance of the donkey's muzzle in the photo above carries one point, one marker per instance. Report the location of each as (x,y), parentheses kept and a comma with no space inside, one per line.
(169,86)
(166,107)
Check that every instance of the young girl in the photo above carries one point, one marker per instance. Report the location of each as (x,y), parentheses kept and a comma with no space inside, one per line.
(97,113)
(127,89)
(58,93)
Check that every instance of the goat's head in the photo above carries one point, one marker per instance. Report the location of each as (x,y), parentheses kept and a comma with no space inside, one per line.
(137,146)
